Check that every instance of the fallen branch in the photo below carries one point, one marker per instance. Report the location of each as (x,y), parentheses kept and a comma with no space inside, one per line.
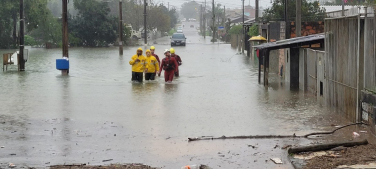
(323,147)
(268,136)
(331,132)
(243,137)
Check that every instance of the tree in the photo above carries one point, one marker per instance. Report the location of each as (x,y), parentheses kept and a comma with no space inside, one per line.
(311,11)
(49,32)
(236,30)
(159,19)
(6,25)
(36,12)
(253,30)
(93,24)
(190,9)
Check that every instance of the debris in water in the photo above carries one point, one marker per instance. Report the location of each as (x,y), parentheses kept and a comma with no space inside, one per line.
(277,160)
(2,147)
(11,165)
(252,146)
(355,134)
(191,167)
(286,147)
(276,146)
(363,131)
(107,160)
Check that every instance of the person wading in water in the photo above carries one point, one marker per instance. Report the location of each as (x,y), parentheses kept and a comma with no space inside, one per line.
(169,65)
(138,66)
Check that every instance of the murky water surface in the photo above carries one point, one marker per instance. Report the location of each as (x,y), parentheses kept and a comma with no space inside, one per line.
(97,114)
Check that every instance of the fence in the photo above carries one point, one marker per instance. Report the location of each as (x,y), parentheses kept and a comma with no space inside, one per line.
(351,12)
(370,54)
(341,71)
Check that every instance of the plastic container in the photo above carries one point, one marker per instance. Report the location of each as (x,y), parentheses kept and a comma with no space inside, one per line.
(62,64)
(191,167)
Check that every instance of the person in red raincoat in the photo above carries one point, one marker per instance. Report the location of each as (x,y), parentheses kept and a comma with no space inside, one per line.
(177,58)
(169,65)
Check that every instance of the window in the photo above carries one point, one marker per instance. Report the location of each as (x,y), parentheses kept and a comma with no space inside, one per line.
(178,36)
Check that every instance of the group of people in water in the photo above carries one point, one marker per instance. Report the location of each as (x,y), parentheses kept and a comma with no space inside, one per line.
(152,66)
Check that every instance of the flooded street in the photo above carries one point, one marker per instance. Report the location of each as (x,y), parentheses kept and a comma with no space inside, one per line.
(96,113)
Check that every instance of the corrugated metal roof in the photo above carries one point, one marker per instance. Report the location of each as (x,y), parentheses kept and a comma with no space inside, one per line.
(286,43)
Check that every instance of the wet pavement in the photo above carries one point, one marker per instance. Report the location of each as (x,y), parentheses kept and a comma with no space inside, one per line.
(97,114)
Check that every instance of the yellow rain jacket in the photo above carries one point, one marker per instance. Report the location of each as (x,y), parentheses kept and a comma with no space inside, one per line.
(138,66)
(152,64)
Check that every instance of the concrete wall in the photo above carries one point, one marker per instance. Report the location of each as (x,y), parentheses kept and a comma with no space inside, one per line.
(234,41)
(369,109)
(302,69)
(274,62)
(274,34)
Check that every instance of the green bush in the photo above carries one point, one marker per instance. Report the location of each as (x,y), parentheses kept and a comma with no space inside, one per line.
(236,30)
(253,31)
(29,41)
(74,41)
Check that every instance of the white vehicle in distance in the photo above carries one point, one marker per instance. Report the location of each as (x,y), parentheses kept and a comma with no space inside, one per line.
(179,31)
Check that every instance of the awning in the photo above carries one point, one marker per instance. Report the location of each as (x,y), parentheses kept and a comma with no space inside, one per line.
(293,42)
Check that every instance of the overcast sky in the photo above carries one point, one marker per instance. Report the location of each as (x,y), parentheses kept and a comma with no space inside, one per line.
(228,3)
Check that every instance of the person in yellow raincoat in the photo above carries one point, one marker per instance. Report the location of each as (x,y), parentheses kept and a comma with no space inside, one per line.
(138,66)
(152,66)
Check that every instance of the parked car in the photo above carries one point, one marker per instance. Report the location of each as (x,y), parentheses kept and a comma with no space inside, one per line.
(178,39)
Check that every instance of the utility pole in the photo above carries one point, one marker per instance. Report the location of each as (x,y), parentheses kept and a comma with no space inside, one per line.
(286,17)
(145,30)
(298,24)
(213,21)
(201,19)
(205,21)
(65,33)
(22,32)
(224,14)
(121,27)
(243,43)
(168,6)
(287,25)
(257,10)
